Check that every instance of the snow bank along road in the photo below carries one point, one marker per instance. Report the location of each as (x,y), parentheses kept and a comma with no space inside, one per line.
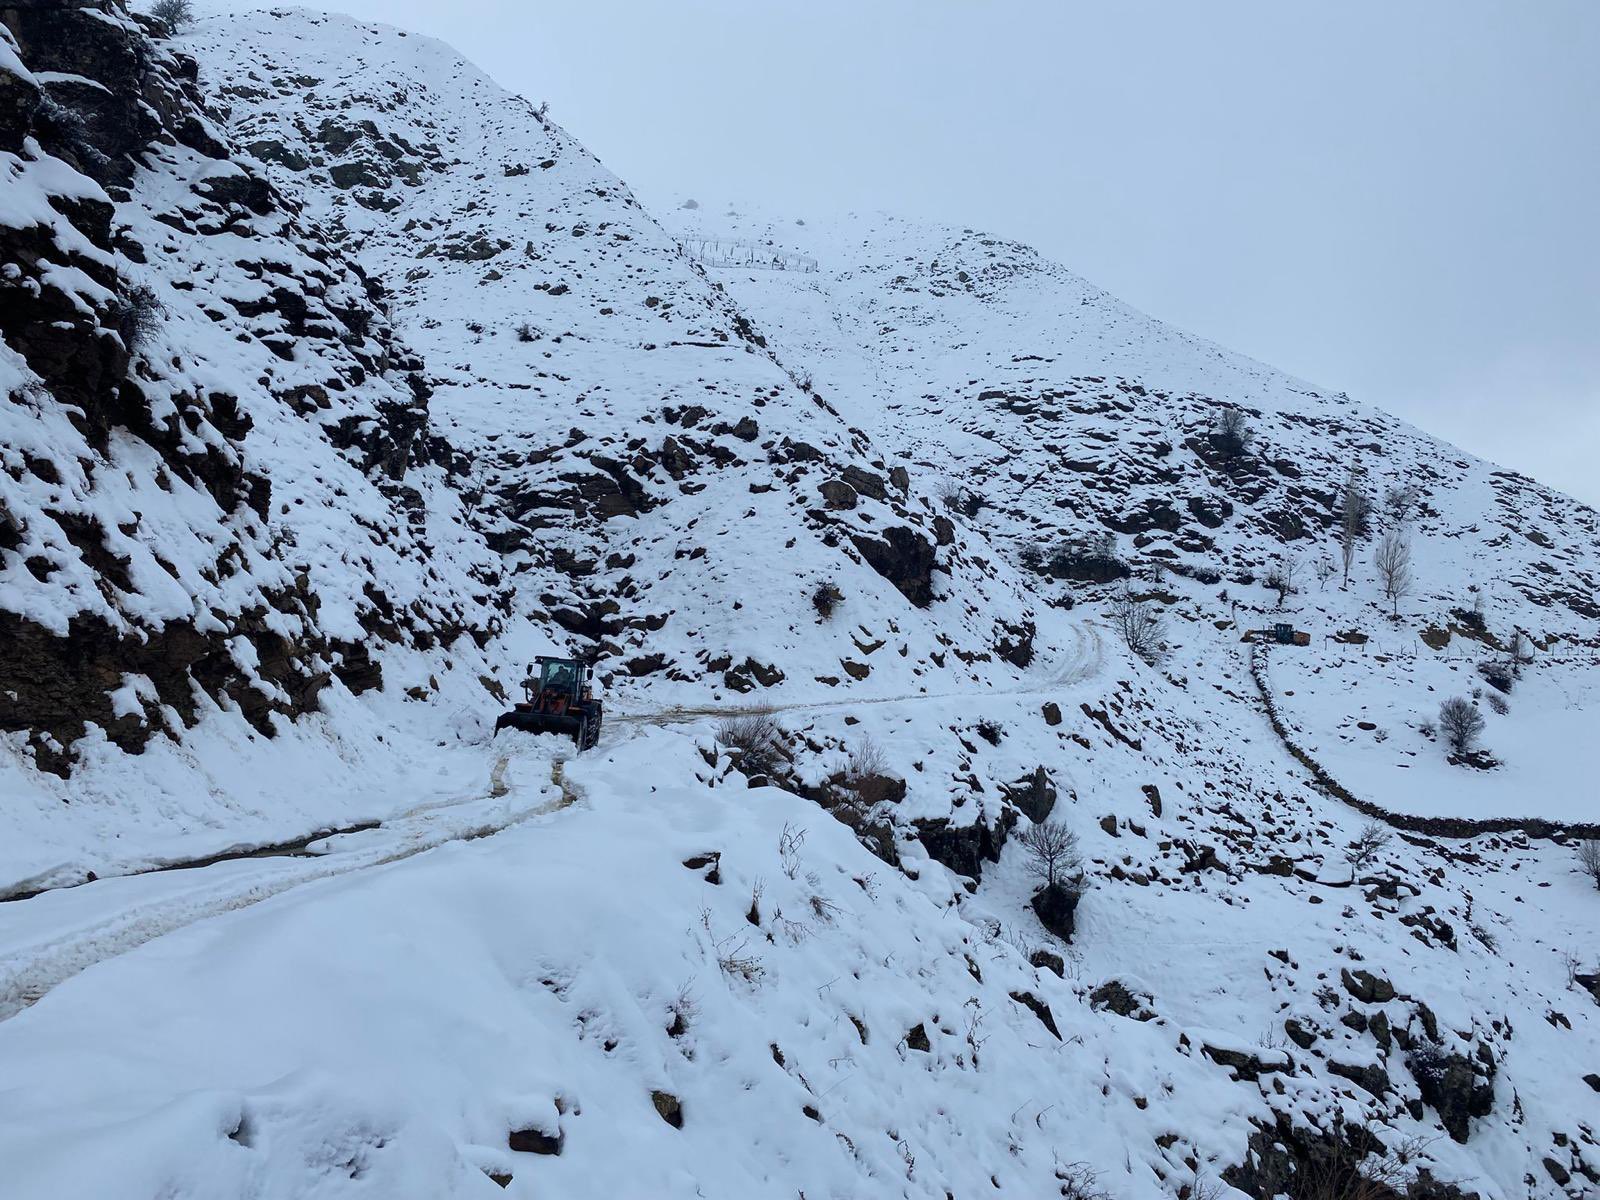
(54,935)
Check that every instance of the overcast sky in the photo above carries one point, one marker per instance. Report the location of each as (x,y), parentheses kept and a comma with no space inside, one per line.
(1395,198)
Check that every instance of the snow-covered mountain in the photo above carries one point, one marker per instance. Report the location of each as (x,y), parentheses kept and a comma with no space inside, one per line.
(340,382)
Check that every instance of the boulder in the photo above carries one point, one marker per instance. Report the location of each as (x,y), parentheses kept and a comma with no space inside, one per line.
(1056,907)
(1366,987)
(1034,794)
(837,494)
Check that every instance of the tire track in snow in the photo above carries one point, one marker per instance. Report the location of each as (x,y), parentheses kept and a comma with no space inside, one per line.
(28,974)
(1083,662)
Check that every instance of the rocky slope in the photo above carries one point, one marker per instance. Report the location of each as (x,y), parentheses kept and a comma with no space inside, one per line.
(340,381)
(221,486)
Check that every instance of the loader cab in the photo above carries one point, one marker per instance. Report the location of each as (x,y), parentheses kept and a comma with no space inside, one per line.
(555,678)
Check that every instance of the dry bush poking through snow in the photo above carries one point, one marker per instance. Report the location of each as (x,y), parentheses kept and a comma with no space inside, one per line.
(758,738)
(1079,1182)
(826,598)
(789,843)
(864,761)
(1589,859)
(685,1009)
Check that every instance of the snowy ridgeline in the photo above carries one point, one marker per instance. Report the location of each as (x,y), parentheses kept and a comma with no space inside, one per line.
(395,386)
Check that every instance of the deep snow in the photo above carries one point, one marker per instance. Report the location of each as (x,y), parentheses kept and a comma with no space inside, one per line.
(519,943)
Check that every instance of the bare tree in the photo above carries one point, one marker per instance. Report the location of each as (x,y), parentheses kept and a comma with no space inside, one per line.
(1324,568)
(1139,625)
(1461,724)
(174,15)
(1589,859)
(1231,432)
(1280,577)
(1369,843)
(1052,852)
(1519,651)
(1399,502)
(1393,560)
(1355,516)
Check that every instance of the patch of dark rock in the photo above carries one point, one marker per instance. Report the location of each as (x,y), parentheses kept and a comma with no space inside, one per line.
(1039,1009)
(905,558)
(1048,961)
(536,1141)
(668,1107)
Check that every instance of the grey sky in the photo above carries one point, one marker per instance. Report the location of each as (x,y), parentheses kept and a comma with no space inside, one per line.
(1396,198)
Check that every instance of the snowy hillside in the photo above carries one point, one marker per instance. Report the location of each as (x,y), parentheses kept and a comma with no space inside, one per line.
(341,382)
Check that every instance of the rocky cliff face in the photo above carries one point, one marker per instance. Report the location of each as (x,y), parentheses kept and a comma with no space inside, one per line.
(220,484)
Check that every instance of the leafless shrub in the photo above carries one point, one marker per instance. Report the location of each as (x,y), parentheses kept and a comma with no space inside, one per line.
(823,909)
(1369,843)
(526,332)
(1589,859)
(683,1008)
(174,15)
(1052,851)
(1080,1182)
(1461,723)
(789,843)
(1324,569)
(1497,703)
(138,313)
(864,761)
(1572,964)
(758,739)
(826,598)
(792,931)
(959,499)
(1140,626)
(737,964)
(1343,1170)
(1393,561)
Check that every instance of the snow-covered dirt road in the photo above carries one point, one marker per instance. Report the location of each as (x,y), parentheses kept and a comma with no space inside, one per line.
(49,937)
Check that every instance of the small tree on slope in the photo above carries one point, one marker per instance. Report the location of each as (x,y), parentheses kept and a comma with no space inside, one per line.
(1461,724)
(175,15)
(1052,852)
(1393,561)
(1139,625)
